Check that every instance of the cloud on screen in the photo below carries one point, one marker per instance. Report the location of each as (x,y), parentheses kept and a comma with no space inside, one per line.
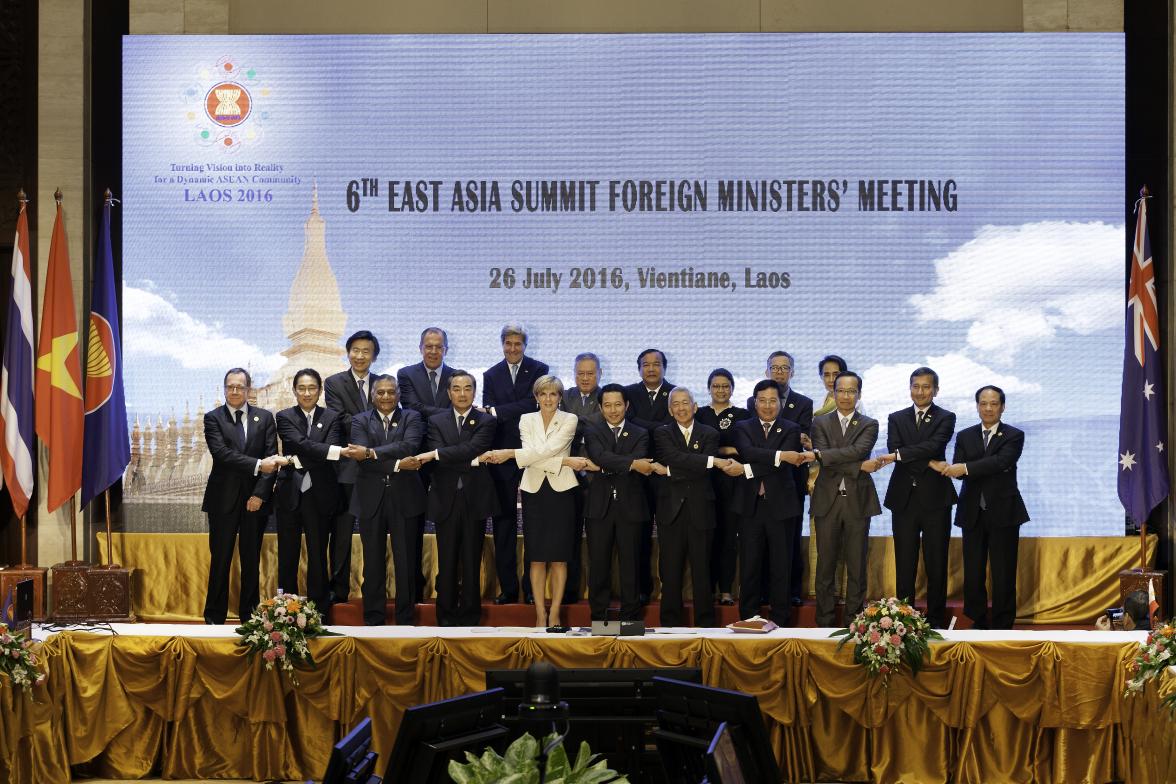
(1021,285)
(157,329)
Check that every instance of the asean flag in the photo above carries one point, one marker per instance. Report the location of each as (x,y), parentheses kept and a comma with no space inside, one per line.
(59,418)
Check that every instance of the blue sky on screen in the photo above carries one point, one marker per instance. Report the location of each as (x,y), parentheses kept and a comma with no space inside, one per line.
(1021,286)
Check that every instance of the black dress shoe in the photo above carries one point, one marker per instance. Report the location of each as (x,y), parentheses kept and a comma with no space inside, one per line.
(504,599)
(797,601)
(529,598)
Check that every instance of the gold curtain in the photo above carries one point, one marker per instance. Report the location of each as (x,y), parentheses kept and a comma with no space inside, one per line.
(1060,581)
(1033,711)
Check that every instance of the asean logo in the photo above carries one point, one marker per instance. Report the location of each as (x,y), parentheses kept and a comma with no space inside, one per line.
(100,361)
(226,104)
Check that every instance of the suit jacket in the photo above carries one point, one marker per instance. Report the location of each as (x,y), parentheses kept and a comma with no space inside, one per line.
(311,449)
(417,393)
(510,401)
(573,403)
(992,473)
(648,415)
(841,459)
(688,484)
(455,451)
(406,433)
(914,487)
(616,486)
(759,452)
(797,408)
(232,480)
(341,394)
(542,453)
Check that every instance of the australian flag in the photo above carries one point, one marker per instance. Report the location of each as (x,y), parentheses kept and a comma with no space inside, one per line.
(1143,463)
(107,445)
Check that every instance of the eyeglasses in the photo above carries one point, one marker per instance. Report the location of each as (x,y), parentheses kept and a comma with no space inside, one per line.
(847,392)
(305,390)
(780,368)
(235,388)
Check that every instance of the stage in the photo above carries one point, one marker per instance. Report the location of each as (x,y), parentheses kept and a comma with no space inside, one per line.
(183,701)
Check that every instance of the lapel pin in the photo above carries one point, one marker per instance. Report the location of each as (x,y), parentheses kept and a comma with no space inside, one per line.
(792,405)
(853,421)
(471,421)
(319,425)
(696,445)
(256,419)
(625,433)
(778,429)
(395,424)
(998,433)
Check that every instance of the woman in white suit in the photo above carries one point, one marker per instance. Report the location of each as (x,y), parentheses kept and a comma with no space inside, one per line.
(548,485)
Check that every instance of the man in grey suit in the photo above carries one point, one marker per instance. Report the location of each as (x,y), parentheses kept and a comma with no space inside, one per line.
(844,498)
(582,400)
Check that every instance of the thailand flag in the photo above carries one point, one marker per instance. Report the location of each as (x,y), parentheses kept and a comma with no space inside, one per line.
(16,381)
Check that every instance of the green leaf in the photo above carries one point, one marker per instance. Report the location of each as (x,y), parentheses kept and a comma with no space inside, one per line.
(584,757)
(557,763)
(525,749)
(461,774)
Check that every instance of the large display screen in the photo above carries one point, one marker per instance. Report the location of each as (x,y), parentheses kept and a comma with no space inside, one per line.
(952,201)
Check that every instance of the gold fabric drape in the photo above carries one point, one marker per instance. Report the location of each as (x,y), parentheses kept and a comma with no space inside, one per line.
(1060,581)
(1012,711)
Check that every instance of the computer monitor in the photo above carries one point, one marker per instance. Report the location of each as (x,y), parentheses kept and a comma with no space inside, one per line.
(432,735)
(689,716)
(722,761)
(352,759)
(614,710)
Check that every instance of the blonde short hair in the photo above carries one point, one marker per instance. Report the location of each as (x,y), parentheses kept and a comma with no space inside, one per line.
(547,382)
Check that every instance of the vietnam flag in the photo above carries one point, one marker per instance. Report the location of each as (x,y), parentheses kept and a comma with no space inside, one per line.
(59,418)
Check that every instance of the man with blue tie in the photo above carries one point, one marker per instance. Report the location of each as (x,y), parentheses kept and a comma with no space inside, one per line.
(242,441)
(389,499)
(349,392)
(507,395)
(424,388)
(308,488)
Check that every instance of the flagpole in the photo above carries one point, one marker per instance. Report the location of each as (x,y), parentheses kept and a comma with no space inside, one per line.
(24,553)
(110,564)
(73,529)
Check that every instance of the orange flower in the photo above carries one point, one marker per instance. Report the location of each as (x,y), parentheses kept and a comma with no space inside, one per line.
(268,603)
(871,611)
(292,606)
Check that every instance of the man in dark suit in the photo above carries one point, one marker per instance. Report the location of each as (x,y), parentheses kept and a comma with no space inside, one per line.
(461,497)
(991,510)
(767,503)
(243,443)
(389,499)
(918,496)
(349,392)
(797,408)
(649,407)
(844,497)
(615,506)
(686,508)
(583,401)
(507,395)
(424,388)
(308,489)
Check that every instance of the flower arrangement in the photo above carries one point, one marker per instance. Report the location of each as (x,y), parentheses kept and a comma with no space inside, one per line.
(17,659)
(521,765)
(886,634)
(1155,655)
(279,629)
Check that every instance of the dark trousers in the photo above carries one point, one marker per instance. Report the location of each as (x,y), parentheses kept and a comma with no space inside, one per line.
(645,555)
(799,555)
(603,534)
(247,528)
(459,558)
(840,535)
(988,545)
(339,548)
(759,533)
(306,521)
(506,538)
(934,530)
(725,545)
(374,535)
(572,590)
(679,544)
